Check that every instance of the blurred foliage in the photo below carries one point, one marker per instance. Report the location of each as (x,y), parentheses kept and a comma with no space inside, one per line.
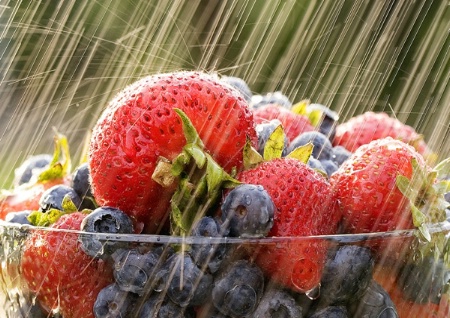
(62,61)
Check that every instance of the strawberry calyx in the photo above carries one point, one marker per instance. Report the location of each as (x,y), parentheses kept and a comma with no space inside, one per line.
(425,191)
(273,149)
(199,180)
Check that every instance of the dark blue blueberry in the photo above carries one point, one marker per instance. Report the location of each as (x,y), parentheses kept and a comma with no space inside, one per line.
(31,167)
(54,197)
(322,146)
(184,282)
(18,217)
(264,130)
(113,302)
(104,220)
(340,154)
(240,85)
(375,302)
(82,186)
(425,280)
(346,275)
(135,271)
(327,125)
(332,312)
(248,210)
(447,196)
(206,255)
(159,307)
(315,164)
(238,290)
(277,303)
(329,166)
(270,98)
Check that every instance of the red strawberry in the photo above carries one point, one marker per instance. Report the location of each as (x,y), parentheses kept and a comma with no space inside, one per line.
(62,276)
(305,205)
(362,129)
(140,125)
(293,124)
(368,190)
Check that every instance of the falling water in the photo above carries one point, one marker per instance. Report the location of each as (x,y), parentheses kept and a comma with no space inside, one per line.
(61,61)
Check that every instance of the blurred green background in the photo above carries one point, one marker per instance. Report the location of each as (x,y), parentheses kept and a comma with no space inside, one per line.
(62,61)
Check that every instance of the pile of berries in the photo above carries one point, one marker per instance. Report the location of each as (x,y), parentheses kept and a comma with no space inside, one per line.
(200,199)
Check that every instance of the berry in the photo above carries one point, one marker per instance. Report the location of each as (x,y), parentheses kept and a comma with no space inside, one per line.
(207,255)
(277,303)
(363,129)
(329,166)
(333,312)
(140,126)
(277,98)
(134,271)
(54,198)
(305,205)
(104,220)
(293,124)
(322,146)
(158,307)
(248,210)
(60,274)
(367,189)
(346,275)
(30,168)
(328,119)
(18,217)
(113,302)
(239,289)
(340,154)
(240,85)
(264,130)
(375,302)
(82,186)
(315,164)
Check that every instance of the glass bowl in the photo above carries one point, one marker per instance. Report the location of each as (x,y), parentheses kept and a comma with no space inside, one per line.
(383,279)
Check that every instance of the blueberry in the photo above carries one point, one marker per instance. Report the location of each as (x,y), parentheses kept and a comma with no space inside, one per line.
(31,167)
(332,312)
(185,283)
(346,275)
(249,211)
(133,270)
(277,303)
(53,198)
(113,302)
(270,98)
(206,255)
(375,302)
(322,146)
(159,307)
(18,217)
(104,220)
(240,85)
(238,290)
(329,166)
(315,164)
(82,186)
(424,281)
(329,118)
(340,154)
(264,130)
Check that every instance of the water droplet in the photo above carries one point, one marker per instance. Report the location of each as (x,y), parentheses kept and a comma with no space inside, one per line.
(313,293)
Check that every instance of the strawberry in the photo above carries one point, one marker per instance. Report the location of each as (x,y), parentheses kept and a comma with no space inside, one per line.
(62,276)
(386,185)
(26,196)
(305,205)
(293,124)
(140,127)
(364,128)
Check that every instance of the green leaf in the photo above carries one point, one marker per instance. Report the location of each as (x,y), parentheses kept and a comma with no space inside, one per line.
(274,146)
(251,157)
(443,168)
(404,185)
(61,163)
(300,107)
(418,217)
(302,153)
(68,205)
(38,218)
(197,154)
(190,133)
(315,117)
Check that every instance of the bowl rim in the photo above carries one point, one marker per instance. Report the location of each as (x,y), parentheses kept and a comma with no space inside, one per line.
(443,227)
